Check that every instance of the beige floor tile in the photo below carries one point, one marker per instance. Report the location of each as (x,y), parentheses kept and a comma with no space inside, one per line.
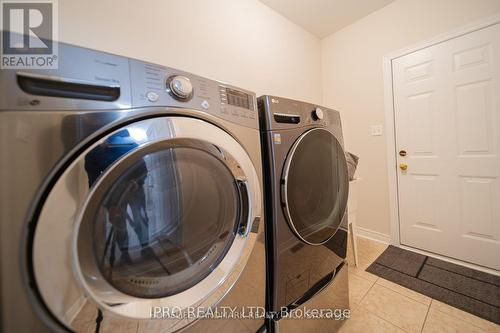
(163,325)
(483,324)
(84,321)
(118,325)
(397,309)
(405,291)
(363,321)
(371,245)
(84,327)
(358,287)
(310,325)
(368,251)
(364,263)
(440,322)
(234,326)
(353,270)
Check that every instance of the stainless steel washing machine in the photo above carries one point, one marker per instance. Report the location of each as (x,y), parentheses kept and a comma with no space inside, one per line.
(306,188)
(130,195)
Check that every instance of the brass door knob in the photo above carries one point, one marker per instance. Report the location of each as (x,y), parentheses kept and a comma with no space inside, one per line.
(403,166)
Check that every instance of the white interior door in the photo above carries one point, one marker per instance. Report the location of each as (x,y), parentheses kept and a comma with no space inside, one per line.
(447,116)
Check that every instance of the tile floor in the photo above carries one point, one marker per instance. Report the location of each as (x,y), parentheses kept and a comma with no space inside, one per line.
(379,305)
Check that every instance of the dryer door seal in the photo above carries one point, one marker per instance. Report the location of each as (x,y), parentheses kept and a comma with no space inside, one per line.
(156,214)
(315,186)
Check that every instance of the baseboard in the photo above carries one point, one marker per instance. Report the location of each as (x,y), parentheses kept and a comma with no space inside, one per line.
(372,235)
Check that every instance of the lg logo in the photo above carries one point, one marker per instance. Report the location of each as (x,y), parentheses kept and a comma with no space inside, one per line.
(29,29)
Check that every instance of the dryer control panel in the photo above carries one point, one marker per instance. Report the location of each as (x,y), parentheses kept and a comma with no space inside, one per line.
(278,113)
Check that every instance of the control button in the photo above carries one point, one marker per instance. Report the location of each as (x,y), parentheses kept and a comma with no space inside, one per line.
(318,114)
(205,104)
(152,96)
(180,87)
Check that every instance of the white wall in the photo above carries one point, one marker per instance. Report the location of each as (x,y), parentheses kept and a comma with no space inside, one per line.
(241,42)
(353,83)
(245,43)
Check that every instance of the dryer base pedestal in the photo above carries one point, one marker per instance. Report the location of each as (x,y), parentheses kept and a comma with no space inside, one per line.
(333,300)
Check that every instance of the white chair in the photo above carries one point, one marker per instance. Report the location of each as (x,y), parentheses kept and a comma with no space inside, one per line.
(352,208)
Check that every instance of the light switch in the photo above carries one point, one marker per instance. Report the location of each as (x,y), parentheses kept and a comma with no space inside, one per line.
(376,130)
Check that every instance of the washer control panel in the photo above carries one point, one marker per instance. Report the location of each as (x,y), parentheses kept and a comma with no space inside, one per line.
(155,85)
(237,103)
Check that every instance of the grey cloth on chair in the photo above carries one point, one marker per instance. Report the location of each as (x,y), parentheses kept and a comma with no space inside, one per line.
(352,164)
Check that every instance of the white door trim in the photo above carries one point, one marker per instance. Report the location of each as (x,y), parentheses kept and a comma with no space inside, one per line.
(389,116)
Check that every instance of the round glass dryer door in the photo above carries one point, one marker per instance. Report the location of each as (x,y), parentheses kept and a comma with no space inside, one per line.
(315,186)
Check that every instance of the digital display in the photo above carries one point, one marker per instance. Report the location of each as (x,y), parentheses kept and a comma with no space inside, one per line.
(238,98)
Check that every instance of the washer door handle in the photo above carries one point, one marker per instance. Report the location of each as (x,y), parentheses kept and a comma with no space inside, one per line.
(244,215)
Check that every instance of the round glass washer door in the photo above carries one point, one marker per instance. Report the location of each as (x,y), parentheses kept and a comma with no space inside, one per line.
(162,220)
(157,213)
(315,186)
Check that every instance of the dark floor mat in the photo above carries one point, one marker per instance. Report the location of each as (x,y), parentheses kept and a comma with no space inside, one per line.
(464,288)
(400,260)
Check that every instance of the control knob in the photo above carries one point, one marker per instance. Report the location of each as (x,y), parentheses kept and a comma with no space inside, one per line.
(318,114)
(180,87)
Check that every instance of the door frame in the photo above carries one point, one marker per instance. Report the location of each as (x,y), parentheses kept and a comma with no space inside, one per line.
(390,125)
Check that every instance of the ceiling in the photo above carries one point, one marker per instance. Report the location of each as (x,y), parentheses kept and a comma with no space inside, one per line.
(323,17)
